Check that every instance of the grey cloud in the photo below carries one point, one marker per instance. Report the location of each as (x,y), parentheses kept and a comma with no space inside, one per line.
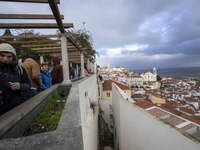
(117,23)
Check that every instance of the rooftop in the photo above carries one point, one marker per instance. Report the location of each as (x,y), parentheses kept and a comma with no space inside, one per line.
(107,85)
(187,127)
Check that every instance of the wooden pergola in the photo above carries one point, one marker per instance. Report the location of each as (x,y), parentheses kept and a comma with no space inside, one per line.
(51,47)
(60,45)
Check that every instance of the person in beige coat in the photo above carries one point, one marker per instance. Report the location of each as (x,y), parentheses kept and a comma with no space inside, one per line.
(33,70)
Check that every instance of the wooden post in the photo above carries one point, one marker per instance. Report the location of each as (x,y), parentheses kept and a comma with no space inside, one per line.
(65,64)
(82,65)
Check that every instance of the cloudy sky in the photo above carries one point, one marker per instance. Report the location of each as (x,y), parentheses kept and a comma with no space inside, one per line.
(135,34)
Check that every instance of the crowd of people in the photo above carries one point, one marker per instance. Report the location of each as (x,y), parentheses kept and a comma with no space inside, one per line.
(18,83)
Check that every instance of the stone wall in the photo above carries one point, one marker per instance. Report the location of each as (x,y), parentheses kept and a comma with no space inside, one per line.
(71,132)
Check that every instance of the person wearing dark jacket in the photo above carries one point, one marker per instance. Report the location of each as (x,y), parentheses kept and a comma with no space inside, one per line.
(71,72)
(45,77)
(13,78)
(57,72)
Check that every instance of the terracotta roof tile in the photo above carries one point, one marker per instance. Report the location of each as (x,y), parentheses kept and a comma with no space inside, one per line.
(107,85)
(145,104)
(174,120)
(137,96)
(157,112)
(187,110)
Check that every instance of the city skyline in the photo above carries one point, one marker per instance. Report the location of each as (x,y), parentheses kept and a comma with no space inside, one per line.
(132,34)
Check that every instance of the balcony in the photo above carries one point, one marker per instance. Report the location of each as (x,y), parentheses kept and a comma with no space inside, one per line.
(76,130)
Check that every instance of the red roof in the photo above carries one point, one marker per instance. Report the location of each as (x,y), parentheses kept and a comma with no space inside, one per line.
(144,104)
(107,85)
(137,96)
(187,110)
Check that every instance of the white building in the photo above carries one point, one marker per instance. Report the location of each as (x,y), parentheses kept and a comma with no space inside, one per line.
(134,81)
(149,76)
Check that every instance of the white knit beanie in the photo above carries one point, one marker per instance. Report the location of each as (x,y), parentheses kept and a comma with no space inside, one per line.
(5,47)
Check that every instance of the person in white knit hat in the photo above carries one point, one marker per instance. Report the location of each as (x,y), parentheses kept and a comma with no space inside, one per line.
(13,79)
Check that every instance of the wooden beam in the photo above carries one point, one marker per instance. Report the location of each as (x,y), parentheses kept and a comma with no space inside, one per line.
(74,52)
(53,52)
(52,49)
(42,45)
(27,16)
(73,42)
(34,42)
(17,47)
(30,36)
(55,55)
(74,60)
(48,48)
(31,1)
(56,13)
(76,45)
(74,55)
(48,52)
(33,25)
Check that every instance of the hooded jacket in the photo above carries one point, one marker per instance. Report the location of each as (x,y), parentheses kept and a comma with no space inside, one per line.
(33,70)
(45,79)
(10,73)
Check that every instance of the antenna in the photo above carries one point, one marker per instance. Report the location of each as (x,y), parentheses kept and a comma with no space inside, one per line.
(84,25)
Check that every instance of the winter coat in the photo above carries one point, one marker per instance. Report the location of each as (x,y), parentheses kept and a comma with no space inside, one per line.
(45,79)
(33,71)
(11,73)
(57,72)
(71,73)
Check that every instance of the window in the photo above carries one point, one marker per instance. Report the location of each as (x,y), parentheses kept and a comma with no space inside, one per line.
(108,94)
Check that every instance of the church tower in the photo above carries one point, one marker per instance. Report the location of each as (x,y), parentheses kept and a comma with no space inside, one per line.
(154,71)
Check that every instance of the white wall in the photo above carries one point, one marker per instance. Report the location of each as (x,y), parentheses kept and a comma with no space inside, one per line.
(89,117)
(138,130)
(107,111)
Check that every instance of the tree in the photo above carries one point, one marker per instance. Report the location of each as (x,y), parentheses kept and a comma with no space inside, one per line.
(84,39)
(7,32)
(159,78)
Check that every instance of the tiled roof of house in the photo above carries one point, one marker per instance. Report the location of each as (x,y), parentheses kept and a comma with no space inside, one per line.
(179,123)
(188,110)
(174,120)
(107,85)
(157,112)
(137,96)
(144,104)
